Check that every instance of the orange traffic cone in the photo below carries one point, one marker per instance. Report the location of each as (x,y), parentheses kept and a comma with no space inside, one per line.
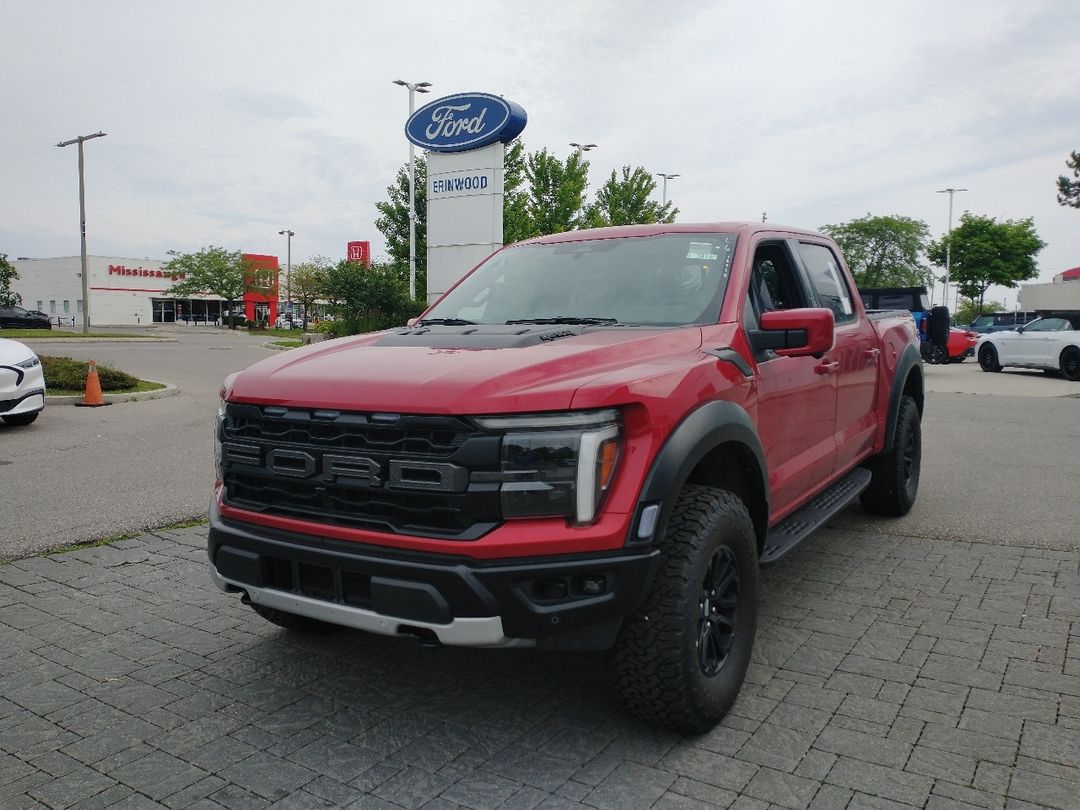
(92,398)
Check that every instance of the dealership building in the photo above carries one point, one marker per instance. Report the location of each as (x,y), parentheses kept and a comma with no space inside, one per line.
(130,292)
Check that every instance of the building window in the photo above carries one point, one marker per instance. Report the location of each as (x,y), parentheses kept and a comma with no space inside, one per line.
(67,306)
(52,307)
(39,303)
(78,305)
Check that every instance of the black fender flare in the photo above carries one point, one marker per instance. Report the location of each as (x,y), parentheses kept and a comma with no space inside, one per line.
(910,362)
(704,429)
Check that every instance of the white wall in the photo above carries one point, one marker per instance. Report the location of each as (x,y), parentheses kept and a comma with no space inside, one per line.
(464,213)
(116,298)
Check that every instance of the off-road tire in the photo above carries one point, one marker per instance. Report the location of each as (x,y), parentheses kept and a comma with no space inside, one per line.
(895,481)
(709,549)
(937,326)
(988,358)
(21,418)
(292,622)
(1070,364)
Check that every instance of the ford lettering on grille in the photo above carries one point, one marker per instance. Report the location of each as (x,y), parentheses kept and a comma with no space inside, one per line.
(428,476)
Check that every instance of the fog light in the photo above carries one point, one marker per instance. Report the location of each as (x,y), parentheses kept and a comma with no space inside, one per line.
(551,589)
(593,584)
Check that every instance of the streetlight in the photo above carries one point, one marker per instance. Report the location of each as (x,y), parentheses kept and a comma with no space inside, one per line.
(82,225)
(948,243)
(583,147)
(666,178)
(288,267)
(418,87)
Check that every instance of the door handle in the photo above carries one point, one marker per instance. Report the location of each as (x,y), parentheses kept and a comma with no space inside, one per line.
(872,356)
(827,367)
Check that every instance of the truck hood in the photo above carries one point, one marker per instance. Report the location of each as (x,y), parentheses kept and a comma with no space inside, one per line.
(452,369)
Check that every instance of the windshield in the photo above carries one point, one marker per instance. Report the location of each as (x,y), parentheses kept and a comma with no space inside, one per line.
(668,280)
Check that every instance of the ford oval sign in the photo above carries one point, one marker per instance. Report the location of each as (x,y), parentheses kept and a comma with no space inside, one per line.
(465,121)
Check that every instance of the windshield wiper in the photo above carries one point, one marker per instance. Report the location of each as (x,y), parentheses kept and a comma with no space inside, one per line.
(569,319)
(445,322)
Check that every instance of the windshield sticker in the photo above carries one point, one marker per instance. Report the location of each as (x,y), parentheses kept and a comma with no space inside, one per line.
(702,252)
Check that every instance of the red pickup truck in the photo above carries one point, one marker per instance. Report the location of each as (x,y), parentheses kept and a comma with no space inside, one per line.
(592,441)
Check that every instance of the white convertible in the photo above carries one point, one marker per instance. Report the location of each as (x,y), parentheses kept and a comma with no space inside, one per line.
(1051,343)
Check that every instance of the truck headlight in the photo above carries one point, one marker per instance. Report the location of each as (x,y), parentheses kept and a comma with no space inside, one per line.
(219,422)
(555,464)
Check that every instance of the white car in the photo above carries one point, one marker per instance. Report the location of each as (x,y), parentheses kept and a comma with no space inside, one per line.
(1051,343)
(22,383)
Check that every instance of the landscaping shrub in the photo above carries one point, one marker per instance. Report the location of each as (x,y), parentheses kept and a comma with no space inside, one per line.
(70,375)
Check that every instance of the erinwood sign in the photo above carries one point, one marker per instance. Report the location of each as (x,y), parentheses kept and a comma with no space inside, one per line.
(465,136)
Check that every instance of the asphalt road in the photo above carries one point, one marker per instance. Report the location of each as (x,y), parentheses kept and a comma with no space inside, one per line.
(999,453)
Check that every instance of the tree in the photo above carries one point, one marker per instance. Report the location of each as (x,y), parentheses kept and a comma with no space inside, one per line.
(369,298)
(8,274)
(393,222)
(216,271)
(556,194)
(884,251)
(516,222)
(308,283)
(626,201)
(968,310)
(985,252)
(1069,190)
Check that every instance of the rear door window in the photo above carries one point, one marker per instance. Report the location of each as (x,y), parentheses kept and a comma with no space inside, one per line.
(827,281)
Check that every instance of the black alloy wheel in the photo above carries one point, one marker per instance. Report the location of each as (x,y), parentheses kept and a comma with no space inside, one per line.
(1070,364)
(988,358)
(719,605)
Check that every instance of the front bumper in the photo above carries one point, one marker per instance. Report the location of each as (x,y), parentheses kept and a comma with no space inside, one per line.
(551,602)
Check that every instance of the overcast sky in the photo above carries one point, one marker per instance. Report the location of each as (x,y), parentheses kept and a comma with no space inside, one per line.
(229,121)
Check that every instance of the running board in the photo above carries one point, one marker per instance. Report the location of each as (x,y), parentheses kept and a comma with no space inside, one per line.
(792,530)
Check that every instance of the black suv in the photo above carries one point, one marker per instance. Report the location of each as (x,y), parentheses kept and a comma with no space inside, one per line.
(19,318)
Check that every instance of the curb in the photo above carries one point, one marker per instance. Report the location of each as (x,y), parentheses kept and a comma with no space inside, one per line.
(170,390)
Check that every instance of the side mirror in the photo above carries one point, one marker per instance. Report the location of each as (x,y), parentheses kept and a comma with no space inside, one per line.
(412,321)
(795,332)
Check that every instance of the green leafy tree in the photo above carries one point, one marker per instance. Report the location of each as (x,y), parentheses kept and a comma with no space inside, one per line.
(516,222)
(8,274)
(1069,190)
(556,194)
(216,271)
(369,298)
(393,222)
(626,201)
(968,310)
(308,282)
(884,251)
(985,253)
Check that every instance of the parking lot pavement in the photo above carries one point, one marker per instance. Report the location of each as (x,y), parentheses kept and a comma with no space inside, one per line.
(889,672)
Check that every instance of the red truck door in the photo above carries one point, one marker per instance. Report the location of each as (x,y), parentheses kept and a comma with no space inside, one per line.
(855,355)
(796,401)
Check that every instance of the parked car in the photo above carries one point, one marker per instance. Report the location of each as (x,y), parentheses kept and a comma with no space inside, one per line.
(1051,344)
(590,442)
(959,347)
(22,383)
(19,318)
(1000,321)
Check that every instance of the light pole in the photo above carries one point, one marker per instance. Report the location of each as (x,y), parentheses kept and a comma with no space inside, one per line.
(288,267)
(418,87)
(666,178)
(82,226)
(948,243)
(583,147)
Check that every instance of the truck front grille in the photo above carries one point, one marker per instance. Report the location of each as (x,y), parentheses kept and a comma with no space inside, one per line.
(403,474)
